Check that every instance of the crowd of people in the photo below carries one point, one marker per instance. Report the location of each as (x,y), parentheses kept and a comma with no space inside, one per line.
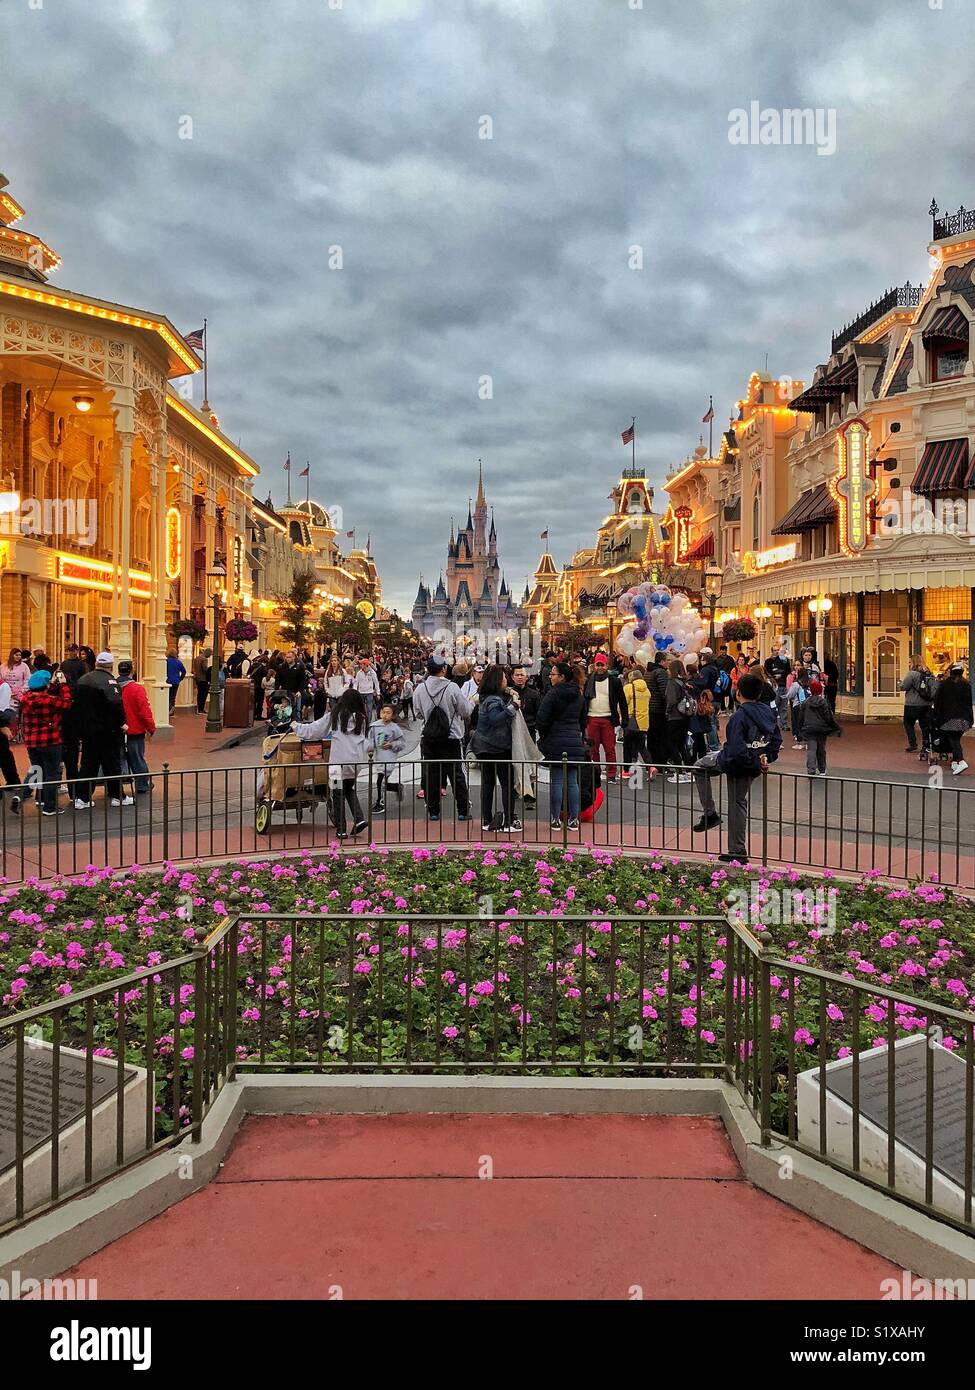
(586,718)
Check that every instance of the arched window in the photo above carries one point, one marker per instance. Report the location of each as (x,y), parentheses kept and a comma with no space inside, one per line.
(295,532)
(757,519)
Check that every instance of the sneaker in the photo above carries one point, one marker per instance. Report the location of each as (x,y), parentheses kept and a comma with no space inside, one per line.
(378,807)
(958,767)
(625,775)
(15,804)
(82,805)
(557,824)
(126,801)
(514,827)
(431,817)
(58,812)
(681,778)
(573,823)
(706,823)
(732,858)
(489,825)
(529,803)
(911,748)
(420,795)
(466,815)
(359,826)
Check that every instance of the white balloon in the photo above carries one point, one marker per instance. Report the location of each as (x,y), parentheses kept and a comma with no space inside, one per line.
(678,602)
(645,654)
(678,645)
(627,642)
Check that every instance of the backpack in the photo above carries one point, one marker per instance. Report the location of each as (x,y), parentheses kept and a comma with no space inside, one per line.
(705,704)
(687,704)
(924,688)
(723,684)
(436,728)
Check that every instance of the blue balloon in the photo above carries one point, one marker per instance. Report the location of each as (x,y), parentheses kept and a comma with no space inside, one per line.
(640,607)
(668,639)
(663,599)
(659,642)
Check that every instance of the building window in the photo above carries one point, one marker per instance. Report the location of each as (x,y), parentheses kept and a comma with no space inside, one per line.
(757,519)
(948,362)
(941,645)
(893,609)
(947,605)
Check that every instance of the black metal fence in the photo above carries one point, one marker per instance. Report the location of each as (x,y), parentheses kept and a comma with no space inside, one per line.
(522,996)
(902,830)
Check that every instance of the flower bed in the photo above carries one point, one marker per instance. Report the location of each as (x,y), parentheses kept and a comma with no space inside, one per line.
(545,990)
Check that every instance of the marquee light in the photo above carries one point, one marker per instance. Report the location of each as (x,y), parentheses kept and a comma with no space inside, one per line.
(98,311)
(682,533)
(853,486)
(764,559)
(174,543)
(99,574)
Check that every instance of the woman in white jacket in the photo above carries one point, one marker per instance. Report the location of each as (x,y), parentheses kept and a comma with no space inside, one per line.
(337,682)
(347,729)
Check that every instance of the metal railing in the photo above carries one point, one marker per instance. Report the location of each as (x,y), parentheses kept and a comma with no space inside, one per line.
(438,994)
(907,831)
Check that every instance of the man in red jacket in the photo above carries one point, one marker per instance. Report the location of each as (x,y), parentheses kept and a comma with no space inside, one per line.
(140,723)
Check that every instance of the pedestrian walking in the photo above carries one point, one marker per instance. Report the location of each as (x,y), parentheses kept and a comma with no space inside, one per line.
(952,713)
(778,669)
(919,688)
(140,724)
(444,712)
(406,699)
(175,675)
(681,703)
(638,720)
(559,722)
(8,765)
(202,670)
(349,746)
(752,742)
(388,741)
(797,691)
(366,682)
(817,724)
(101,714)
(42,708)
(492,719)
(606,711)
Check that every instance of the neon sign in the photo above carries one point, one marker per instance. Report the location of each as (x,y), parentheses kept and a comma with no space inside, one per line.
(174,544)
(764,559)
(853,486)
(682,534)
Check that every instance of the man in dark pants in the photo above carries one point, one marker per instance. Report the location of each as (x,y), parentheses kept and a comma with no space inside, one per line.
(444,712)
(42,710)
(752,741)
(73,667)
(101,715)
(202,670)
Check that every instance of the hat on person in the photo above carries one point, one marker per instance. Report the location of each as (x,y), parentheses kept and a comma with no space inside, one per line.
(104,659)
(706,651)
(125,668)
(436,664)
(39,680)
(815,687)
(958,666)
(600,659)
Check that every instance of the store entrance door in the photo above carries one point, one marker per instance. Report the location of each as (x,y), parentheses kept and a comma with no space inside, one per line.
(886,659)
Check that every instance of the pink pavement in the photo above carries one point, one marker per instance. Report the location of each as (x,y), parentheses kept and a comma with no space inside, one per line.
(394,1207)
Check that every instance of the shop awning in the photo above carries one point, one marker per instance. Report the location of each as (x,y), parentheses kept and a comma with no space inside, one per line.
(943,467)
(948,324)
(828,388)
(703,550)
(814,508)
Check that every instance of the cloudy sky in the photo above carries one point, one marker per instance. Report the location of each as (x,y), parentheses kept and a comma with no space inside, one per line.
(357,125)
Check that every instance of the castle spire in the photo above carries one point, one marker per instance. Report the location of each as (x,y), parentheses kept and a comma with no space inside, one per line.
(481,499)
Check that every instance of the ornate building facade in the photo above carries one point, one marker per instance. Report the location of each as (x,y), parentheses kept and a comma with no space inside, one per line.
(475,593)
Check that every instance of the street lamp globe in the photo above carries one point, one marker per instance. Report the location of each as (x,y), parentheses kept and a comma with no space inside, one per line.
(713,576)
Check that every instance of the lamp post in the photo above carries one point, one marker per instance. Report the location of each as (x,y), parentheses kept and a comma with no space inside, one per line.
(761,616)
(820,608)
(611,611)
(216,579)
(712,587)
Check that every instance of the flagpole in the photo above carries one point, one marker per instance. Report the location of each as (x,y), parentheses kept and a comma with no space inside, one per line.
(287,469)
(711,427)
(308,485)
(633,442)
(206,385)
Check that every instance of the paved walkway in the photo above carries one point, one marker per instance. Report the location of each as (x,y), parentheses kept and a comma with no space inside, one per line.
(579,1207)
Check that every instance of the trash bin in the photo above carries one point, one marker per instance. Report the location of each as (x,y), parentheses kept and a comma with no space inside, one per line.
(238,703)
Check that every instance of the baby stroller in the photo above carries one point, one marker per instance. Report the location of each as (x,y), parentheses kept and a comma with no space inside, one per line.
(295,774)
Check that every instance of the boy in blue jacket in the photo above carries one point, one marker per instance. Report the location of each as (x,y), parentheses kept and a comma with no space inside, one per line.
(752,741)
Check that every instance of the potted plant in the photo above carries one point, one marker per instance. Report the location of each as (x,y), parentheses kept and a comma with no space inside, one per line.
(241,630)
(188,627)
(739,630)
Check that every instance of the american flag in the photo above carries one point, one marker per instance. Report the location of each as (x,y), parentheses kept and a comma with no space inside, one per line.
(194,340)
(706,419)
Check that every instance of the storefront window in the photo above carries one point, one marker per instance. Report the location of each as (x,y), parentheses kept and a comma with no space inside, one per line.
(943,645)
(947,606)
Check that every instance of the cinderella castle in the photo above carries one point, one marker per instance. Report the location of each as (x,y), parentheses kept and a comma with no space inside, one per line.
(475,593)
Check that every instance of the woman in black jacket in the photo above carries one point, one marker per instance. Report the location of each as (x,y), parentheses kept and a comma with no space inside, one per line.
(679,693)
(953,713)
(560,732)
(491,742)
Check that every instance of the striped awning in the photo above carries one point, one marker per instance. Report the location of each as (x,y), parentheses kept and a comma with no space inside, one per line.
(814,508)
(828,388)
(703,550)
(948,324)
(943,467)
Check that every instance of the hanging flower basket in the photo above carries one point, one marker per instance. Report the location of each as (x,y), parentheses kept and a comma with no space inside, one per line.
(240,630)
(738,630)
(188,627)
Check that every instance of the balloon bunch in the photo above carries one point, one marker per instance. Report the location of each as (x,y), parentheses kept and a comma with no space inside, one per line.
(662,621)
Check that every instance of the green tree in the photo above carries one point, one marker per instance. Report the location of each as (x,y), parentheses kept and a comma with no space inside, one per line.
(350,628)
(296,606)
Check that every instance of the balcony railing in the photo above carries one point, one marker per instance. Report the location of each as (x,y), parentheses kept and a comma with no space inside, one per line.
(903,297)
(951,224)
